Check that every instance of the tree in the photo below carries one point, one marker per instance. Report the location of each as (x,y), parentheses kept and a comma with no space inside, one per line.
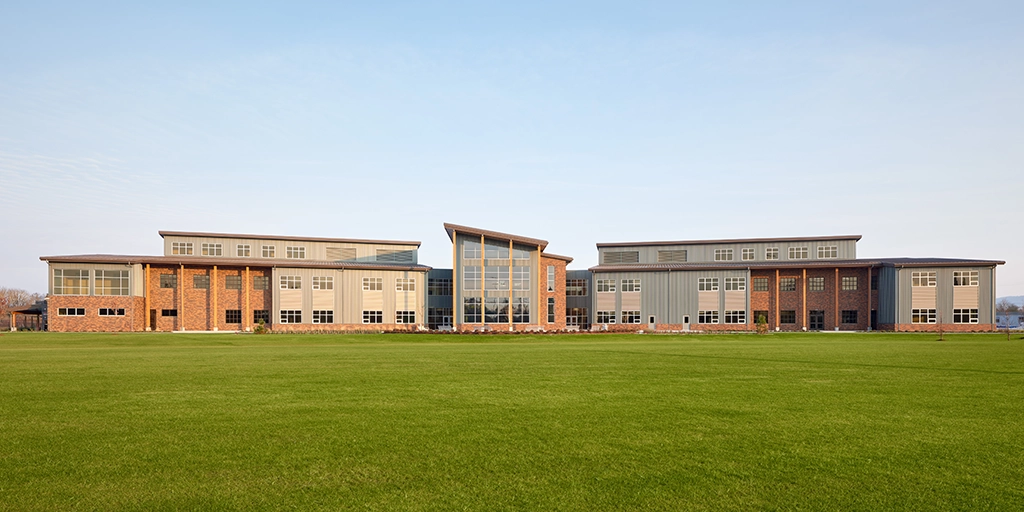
(14,298)
(1005,306)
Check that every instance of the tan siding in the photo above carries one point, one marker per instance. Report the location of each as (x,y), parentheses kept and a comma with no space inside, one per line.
(631,301)
(707,301)
(606,301)
(323,299)
(735,301)
(372,301)
(965,297)
(923,297)
(291,299)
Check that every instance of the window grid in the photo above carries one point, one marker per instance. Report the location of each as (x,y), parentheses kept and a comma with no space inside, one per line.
(323,282)
(965,278)
(291,316)
(707,284)
(259,315)
(605,285)
(630,317)
(472,310)
(233,283)
(723,254)
(630,285)
(760,284)
(111,312)
(551,278)
(439,287)
(212,249)
(405,285)
(965,316)
(243,251)
(787,284)
(70,282)
(405,317)
(707,317)
(735,317)
(112,282)
(605,317)
(323,316)
(373,317)
(551,310)
(798,253)
(233,316)
(269,251)
(575,287)
(787,316)
(771,253)
(295,252)
(736,284)
(922,316)
(926,279)
(291,282)
(815,284)
(849,283)
(828,252)
(849,316)
(748,254)
(70,311)
(168,312)
(201,282)
(181,248)
(260,283)
(373,284)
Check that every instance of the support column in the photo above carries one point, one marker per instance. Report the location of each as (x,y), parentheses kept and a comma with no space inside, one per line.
(510,287)
(456,286)
(837,319)
(246,313)
(868,287)
(213,284)
(778,318)
(14,323)
(542,314)
(145,295)
(483,281)
(803,300)
(181,297)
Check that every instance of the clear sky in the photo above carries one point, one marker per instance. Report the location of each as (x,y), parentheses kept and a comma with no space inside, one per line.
(577,122)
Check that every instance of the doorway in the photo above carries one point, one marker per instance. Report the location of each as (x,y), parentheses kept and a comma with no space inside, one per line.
(152,319)
(816,319)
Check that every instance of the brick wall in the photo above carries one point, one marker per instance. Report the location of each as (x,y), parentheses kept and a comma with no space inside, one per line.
(558,294)
(197,313)
(133,320)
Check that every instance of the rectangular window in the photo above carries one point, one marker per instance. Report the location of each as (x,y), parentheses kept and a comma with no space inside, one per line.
(798,253)
(496,310)
(260,283)
(340,253)
(576,317)
(630,285)
(70,282)
(261,315)
(70,311)
(551,278)
(168,312)
(291,316)
(201,282)
(233,283)
(849,316)
(112,282)
(723,254)
(323,282)
(520,278)
(787,284)
(405,285)
(630,317)
(439,287)
(291,282)
(965,316)
(748,254)
(760,284)
(677,256)
(472,278)
(496,278)
(874,282)
(771,253)
(120,312)
(735,284)
(922,316)
(212,249)
(926,279)
(471,250)
(405,317)
(828,252)
(759,314)
(707,317)
(849,283)
(605,317)
(295,252)
(618,257)
(437,317)
(168,281)
(233,316)
(521,310)
(373,317)
(605,285)
(787,316)
(965,278)
(472,310)
(269,251)
(735,317)
(323,316)
(494,250)
(707,284)
(551,310)
(243,251)
(575,287)
(394,256)
(181,248)
(816,284)
(373,284)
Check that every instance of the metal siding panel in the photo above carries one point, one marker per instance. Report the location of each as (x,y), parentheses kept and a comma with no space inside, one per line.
(708,301)
(965,297)
(291,299)
(605,301)
(923,297)
(631,301)
(735,300)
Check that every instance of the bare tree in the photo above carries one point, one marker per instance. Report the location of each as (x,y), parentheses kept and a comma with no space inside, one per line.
(1005,306)
(14,298)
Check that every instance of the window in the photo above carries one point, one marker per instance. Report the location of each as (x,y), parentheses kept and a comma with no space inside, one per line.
(630,285)
(323,316)
(771,253)
(849,316)
(233,283)
(243,251)
(922,279)
(112,282)
(437,317)
(201,282)
(874,282)
(551,310)
(168,281)
(576,316)
(748,254)
(496,310)
(471,250)
(269,251)
(798,253)
(787,284)
(965,316)
(494,250)
(630,317)
(760,284)
(212,249)
(521,310)
(735,284)
(575,287)
(472,312)
(816,284)
(120,312)
(261,315)
(963,278)
(735,317)
(612,258)
(520,278)
(233,316)
(291,316)
(787,316)
(605,285)
(707,317)
(373,284)
(761,313)
(72,282)
(828,252)
(340,253)
(323,282)
(922,316)
(707,284)
(677,256)
(181,248)
(405,285)
(551,278)
(520,252)
(439,287)
(373,317)
(471,278)
(291,282)
(70,311)
(723,254)
(496,278)
(394,256)
(849,283)
(260,283)
(605,317)
(405,317)
(295,252)
(168,312)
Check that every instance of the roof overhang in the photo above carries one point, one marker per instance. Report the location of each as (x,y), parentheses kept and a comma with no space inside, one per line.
(451,229)
(115,259)
(731,241)
(288,238)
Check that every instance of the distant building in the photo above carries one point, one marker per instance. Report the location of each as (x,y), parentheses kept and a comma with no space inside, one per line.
(1009,320)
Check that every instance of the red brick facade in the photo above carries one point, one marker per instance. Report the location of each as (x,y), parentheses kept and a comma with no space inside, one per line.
(197,313)
(134,318)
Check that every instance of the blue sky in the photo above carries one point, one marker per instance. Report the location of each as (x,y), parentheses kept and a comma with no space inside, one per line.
(577,122)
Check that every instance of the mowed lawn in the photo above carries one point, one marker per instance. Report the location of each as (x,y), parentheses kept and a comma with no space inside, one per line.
(825,421)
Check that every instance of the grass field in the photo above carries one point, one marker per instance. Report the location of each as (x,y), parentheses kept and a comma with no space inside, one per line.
(587,422)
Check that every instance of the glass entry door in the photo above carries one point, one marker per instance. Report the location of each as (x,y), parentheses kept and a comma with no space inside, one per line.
(816,319)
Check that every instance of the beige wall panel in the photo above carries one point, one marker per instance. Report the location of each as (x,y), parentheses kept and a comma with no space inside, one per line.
(606,301)
(373,300)
(291,299)
(965,297)
(707,301)
(735,301)
(923,297)
(631,301)
(323,299)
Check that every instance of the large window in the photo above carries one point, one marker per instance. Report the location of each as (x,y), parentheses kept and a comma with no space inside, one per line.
(576,317)
(441,287)
(520,278)
(922,316)
(112,282)
(373,317)
(965,278)
(787,316)
(926,279)
(707,284)
(168,281)
(261,315)
(551,278)
(496,310)
(233,316)
(181,248)
(575,287)
(849,283)
(630,285)
(787,284)
(323,282)
(630,317)
(760,284)
(496,278)
(373,284)
(71,282)
(201,282)
(605,317)
(437,317)
(291,282)
(551,310)
(605,285)
(243,250)
(707,317)
(472,310)
(269,251)
(323,316)
(297,252)
(405,317)
(260,283)
(471,250)
(521,310)
(748,254)
(471,278)
(735,317)
(495,250)
(965,316)
(771,253)
(212,249)
(816,284)
(828,252)
(233,283)
(798,253)
(291,316)
(111,311)
(735,284)
(761,313)
(70,311)
(849,316)
(723,254)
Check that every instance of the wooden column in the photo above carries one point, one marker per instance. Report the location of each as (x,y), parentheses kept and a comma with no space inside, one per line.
(803,300)
(246,284)
(868,286)
(510,328)
(14,323)
(456,285)
(542,314)
(145,295)
(181,297)
(837,319)
(213,284)
(483,281)
(778,318)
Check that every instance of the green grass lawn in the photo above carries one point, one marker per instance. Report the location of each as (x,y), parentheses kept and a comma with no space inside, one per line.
(586,422)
